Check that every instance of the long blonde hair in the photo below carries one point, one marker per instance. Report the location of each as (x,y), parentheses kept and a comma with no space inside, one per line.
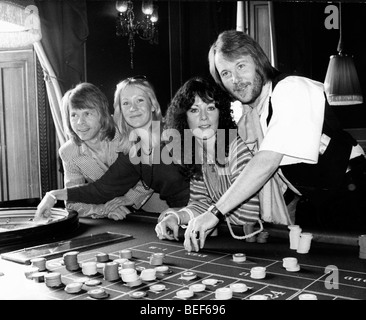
(124,128)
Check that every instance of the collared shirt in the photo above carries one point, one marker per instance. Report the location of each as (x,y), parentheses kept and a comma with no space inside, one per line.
(296,124)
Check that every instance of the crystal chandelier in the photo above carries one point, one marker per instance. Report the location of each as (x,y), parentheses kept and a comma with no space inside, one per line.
(126,26)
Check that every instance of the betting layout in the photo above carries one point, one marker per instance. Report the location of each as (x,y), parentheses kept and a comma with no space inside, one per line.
(161,270)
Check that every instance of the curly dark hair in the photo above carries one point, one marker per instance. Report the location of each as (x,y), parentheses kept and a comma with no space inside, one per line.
(176,118)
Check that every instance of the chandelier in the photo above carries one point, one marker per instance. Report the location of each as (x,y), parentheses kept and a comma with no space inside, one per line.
(126,26)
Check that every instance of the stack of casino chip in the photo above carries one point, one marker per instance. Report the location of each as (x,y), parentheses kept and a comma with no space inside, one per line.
(73,287)
(53,279)
(291,264)
(239,257)
(82,279)
(91,283)
(110,271)
(210,282)
(184,294)
(238,287)
(100,267)
(249,229)
(223,294)
(148,275)
(197,287)
(262,237)
(125,253)
(304,242)
(188,275)
(30,271)
(128,265)
(39,263)
(39,276)
(157,287)
(156,259)
(98,293)
(162,271)
(89,268)
(102,257)
(130,277)
(120,261)
(71,260)
(258,273)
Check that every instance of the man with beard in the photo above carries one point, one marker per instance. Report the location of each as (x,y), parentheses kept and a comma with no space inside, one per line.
(300,151)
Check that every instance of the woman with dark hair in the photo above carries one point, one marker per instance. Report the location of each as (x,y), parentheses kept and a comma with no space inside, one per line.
(214,159)
(138,111)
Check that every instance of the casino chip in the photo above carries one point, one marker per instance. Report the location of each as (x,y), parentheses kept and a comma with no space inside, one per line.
(189,275)
(53,279)
(239,257)
(238,287)
(73,287)
(137,294)
(157,287)
(38,276)
(92,283)
(308,296)
(163,269)
(82,280)
(30,271)
(126,254)
(210,282)
(184,294)
(198,287)
(258,272)
(258,297)
(102,257)
(98,293)
(223,294)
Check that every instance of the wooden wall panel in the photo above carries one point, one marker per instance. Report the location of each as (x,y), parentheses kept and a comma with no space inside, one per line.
(19,126)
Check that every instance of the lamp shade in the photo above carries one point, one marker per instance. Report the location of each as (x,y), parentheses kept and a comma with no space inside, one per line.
(341,82)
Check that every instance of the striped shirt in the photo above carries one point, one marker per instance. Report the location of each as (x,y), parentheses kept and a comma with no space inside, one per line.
(217,180)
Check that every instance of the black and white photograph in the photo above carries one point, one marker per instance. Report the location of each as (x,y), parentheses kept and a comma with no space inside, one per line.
(182,155)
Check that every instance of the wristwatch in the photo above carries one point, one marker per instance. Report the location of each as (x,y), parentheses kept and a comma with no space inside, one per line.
(213,209)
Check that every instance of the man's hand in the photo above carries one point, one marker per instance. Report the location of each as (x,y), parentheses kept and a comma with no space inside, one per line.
(198,229)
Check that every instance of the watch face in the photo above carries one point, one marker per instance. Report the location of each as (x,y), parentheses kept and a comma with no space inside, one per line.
(215,211)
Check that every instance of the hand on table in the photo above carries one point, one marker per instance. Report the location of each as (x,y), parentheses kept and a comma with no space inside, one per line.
(116,210)
(168,225)
(198,229)
(43,211)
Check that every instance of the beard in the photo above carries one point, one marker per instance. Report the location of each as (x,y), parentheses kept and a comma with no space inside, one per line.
(247,92)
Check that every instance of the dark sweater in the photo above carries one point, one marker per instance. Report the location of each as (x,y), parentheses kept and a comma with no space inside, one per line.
(122,175)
